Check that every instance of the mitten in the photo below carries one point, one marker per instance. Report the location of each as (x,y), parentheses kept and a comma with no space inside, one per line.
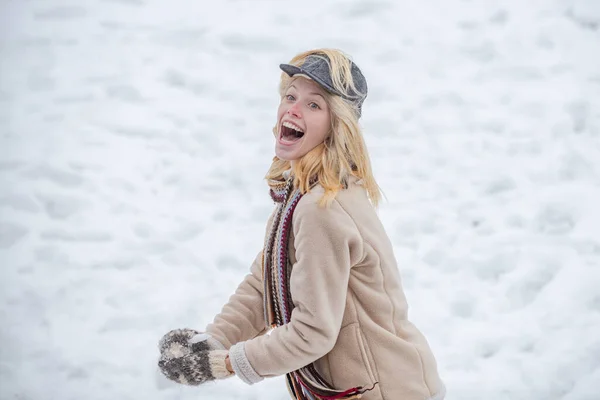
(198,341)
(180,336)
(190,363)
(194,368)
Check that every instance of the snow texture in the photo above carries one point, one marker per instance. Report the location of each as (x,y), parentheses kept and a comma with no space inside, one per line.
(135,134)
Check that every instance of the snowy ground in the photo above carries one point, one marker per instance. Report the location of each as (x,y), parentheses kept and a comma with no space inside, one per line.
(134,135)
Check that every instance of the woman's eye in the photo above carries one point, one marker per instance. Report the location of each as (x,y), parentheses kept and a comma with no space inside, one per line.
(289,97)
(314,106)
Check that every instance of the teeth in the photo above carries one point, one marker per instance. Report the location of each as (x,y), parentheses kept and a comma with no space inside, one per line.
(292,126)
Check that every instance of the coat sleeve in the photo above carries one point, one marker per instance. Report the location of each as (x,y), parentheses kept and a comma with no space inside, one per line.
(242,318)
(327,244)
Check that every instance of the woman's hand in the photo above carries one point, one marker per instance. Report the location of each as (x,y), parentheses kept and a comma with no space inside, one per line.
(191,362)
(194,368)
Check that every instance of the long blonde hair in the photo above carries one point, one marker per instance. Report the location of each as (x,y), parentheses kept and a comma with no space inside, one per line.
(343,153)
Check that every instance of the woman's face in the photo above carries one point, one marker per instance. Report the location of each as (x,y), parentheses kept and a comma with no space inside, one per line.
(303,119)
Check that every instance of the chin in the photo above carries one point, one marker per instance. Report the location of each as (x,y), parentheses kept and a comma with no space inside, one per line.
(284,157)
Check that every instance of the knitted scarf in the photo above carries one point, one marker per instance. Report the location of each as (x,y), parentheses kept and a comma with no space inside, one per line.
(305,383)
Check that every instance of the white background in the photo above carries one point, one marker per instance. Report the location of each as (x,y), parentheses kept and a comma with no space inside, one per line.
(135,134)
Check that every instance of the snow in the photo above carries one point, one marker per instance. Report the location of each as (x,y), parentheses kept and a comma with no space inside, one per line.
(134,136)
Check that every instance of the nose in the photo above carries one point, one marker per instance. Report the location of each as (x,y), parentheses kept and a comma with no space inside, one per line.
(294,110)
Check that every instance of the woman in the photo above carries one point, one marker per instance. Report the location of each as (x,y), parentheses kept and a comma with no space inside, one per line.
(325,287)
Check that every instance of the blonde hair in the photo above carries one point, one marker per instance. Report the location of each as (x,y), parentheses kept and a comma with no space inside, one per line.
(343,153)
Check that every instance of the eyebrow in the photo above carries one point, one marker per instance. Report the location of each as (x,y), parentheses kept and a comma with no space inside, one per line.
(313,93)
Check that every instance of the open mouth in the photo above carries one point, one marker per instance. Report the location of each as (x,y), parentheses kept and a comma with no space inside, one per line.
(290,132)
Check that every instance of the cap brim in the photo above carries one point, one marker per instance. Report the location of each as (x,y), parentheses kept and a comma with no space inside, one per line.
(293,70)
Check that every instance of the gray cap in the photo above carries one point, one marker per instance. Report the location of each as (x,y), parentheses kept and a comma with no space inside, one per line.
(316,67)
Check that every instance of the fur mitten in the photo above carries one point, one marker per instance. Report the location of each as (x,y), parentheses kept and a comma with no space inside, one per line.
(190,363)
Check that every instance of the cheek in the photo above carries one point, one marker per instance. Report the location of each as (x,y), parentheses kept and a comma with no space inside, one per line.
(280,111)
(324,126)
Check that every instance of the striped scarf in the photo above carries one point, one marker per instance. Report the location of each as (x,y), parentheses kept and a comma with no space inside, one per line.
(305,383)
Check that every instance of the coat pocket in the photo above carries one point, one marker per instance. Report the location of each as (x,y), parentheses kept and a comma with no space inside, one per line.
(367,356)
(350,360)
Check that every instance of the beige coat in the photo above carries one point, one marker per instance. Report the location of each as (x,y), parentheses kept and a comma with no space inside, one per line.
(350,314)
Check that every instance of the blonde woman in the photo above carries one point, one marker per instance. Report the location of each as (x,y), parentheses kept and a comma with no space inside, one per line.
(325,287)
